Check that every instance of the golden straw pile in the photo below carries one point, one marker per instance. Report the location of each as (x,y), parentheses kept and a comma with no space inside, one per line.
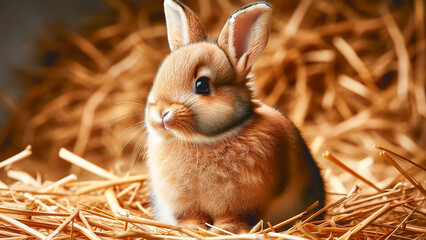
(118,207)
(350,74)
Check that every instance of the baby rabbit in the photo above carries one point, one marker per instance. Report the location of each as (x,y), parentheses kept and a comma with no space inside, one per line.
(215,155)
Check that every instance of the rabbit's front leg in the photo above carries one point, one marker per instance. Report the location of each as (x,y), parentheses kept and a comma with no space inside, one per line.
(194,221)
(231,223)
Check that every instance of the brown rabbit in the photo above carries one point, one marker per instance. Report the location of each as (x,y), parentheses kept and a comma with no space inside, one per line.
(214,154)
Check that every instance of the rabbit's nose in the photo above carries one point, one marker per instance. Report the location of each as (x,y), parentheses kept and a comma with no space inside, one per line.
(167,114)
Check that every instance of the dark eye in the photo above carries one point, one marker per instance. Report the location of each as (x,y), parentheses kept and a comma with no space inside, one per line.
(202,86)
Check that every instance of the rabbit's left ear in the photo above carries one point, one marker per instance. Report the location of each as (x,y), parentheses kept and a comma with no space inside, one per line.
(183,26)
(245,35)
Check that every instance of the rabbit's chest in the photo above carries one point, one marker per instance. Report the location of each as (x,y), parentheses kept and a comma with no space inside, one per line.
(216,176)
(216,164)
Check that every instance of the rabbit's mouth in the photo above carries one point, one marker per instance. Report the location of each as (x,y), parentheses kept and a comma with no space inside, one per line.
(178,125)
(167,119)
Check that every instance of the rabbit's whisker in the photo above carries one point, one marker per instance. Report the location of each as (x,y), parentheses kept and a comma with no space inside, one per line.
(128,115)
(130,128)
(138,103)
(133,136)
(138,148)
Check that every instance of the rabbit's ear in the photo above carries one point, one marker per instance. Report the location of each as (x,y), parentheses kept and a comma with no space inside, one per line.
(183,26)
(245,35)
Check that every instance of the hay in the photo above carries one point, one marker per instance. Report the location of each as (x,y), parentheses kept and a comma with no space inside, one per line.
(350,74)
(119,208)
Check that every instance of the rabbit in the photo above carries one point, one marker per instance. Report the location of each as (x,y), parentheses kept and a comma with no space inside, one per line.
(214,154)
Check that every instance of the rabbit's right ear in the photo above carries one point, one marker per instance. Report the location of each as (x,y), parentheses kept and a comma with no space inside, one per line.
(183,26)
(245,35)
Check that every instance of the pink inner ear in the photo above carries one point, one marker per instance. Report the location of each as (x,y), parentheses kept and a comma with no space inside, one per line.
(242,32)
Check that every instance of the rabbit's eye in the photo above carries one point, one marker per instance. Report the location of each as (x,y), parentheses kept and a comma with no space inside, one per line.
(202,86)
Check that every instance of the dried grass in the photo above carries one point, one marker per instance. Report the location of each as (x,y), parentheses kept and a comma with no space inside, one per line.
(350,74)
(72,208)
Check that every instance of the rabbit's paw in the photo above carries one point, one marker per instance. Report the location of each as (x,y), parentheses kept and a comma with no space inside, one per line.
(194,222)
(232,224)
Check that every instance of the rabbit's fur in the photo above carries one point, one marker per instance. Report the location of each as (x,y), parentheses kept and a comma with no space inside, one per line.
(222,157)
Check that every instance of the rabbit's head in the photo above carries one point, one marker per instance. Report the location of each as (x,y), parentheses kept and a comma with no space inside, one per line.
(200,93)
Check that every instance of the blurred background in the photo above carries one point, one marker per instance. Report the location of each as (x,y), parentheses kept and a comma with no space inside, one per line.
(350,74)
(22,22)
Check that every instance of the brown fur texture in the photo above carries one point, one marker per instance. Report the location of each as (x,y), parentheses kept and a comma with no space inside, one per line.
(223,158)
(176,35)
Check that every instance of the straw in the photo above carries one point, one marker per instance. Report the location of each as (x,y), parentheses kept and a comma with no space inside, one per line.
(22,155)
(400,50)
(63,225)
(413,181)
(109,183)
(22,226)
(330,157)
(73,158)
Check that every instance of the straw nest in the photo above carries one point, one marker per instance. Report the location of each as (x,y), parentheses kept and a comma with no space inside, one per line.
(351,75)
